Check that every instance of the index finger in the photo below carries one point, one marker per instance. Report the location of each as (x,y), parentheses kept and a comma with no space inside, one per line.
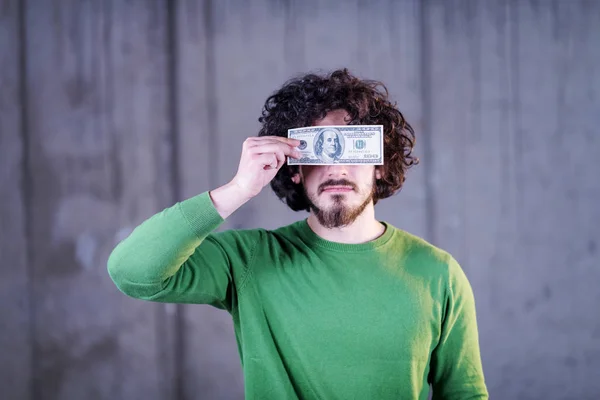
(288,141)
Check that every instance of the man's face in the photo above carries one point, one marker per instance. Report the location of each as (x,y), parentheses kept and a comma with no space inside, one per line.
(331,143)
(338,194)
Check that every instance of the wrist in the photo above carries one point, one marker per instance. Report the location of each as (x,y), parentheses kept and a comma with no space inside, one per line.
(228,198)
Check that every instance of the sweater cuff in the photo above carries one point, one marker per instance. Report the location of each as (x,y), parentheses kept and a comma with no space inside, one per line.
(201,213)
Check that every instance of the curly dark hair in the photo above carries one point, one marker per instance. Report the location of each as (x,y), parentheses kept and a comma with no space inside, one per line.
(305,99)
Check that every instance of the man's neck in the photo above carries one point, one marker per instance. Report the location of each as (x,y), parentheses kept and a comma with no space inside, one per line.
(364,228)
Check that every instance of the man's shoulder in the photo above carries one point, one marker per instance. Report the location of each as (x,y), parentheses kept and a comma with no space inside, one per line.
(419,252)
(255,235)
(418,244)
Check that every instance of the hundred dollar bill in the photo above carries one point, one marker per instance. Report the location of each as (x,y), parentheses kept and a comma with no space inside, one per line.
(343,144)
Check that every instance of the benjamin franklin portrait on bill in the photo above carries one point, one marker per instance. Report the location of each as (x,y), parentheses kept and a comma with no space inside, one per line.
(329,145)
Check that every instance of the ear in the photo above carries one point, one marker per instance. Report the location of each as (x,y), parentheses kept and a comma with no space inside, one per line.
(296,178)
(377,173)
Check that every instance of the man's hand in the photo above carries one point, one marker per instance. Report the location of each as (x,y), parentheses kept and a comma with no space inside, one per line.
(260,160)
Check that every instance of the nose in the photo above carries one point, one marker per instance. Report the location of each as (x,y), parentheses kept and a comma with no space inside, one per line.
(336,170)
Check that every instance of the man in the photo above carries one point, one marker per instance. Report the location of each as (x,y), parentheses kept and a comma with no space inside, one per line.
(335,306)
(329,145)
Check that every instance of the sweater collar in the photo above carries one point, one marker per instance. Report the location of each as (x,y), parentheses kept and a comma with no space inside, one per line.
(312,239)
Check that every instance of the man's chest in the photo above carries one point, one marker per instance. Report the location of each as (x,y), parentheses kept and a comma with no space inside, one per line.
(344,311)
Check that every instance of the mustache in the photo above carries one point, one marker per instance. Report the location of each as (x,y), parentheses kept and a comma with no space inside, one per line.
(334,182)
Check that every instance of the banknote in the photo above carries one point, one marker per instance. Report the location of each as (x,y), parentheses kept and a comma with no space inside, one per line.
(343,144)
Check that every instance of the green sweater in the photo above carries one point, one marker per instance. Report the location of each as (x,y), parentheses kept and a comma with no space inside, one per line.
(315,319)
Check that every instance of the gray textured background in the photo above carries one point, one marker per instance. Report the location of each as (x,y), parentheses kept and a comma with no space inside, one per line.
(113,110)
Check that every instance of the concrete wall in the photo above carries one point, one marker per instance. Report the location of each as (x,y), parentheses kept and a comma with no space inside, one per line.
(111,111)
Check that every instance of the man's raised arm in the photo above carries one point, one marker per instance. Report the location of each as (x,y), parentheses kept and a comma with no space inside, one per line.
(174,257)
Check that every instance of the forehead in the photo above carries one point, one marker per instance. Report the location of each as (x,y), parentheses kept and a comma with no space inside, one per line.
(335,117)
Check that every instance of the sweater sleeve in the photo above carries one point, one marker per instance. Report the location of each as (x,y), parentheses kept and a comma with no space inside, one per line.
(174,257)
(456,369)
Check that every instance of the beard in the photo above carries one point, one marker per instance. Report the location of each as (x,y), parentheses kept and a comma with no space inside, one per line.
(339,214)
